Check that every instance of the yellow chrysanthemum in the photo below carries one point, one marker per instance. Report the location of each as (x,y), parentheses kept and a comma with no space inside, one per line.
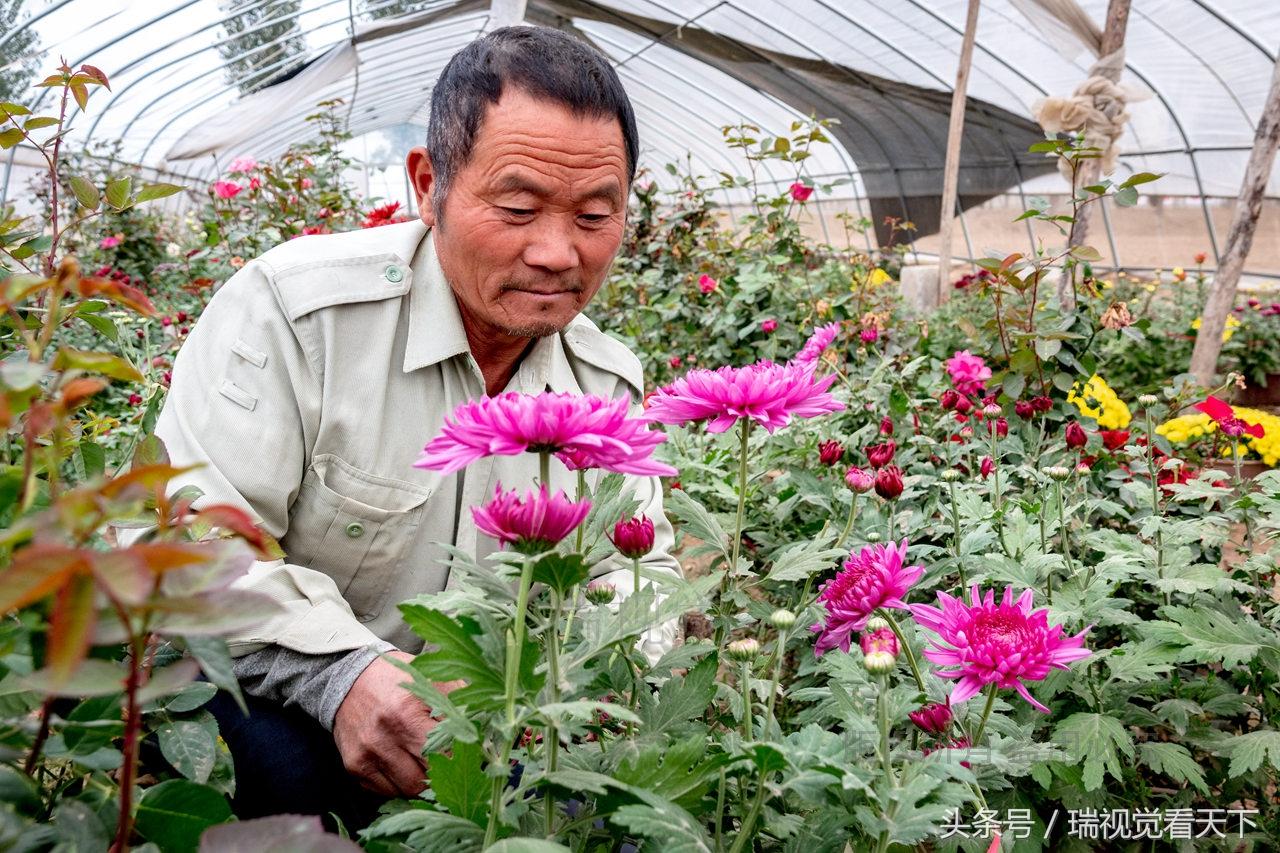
(1191,427)
(1227,331)
(1099,402)
(879,277)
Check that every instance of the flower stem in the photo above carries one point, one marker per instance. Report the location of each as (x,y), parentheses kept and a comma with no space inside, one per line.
(635,571)
(735,548)
(749,822)
(848,525)
(1062,523)
(905,646)
(553,736)
(544,469)
(955,541)
(746,700)
(986,713)
(720,812)
(882,721)
(1155,500)
(775,681)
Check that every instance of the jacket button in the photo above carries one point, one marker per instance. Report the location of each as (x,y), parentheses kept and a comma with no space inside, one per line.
(393,274)
(355,530)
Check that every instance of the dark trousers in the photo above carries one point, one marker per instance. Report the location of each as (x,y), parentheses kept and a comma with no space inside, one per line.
(286,763)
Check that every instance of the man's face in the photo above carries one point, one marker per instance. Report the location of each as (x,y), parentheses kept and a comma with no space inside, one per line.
(532,222)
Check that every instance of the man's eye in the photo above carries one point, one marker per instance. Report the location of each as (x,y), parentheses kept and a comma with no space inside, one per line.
(517,211)
(593,218)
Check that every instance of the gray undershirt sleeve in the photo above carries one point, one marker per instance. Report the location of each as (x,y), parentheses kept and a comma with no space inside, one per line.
(315,683)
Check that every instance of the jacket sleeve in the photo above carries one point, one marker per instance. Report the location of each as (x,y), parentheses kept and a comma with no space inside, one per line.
(244,404)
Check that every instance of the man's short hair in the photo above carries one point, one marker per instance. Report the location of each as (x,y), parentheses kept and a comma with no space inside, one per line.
(545,63)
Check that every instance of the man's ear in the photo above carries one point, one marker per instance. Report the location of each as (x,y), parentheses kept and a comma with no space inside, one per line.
(418,164)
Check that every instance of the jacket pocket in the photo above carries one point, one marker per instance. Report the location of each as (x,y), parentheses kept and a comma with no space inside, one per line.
(355,527)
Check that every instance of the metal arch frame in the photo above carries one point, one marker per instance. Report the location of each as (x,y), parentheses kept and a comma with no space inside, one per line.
(1237,29)
(227,88)
(142,77)
(29,22)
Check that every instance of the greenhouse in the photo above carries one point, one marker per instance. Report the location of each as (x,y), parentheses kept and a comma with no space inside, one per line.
(637,425)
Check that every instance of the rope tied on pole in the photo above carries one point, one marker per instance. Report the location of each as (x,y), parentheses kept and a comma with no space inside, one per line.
(1097,108)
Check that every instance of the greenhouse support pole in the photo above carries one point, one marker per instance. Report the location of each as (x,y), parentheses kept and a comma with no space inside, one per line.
(1091,169)
(951,168)
(1222,294)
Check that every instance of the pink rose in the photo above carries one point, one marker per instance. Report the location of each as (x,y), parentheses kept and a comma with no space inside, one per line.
(768,326)
(305,183)
(111,242)
(800,192)
(968,372)
(707,284)
(242,165)
(226,189)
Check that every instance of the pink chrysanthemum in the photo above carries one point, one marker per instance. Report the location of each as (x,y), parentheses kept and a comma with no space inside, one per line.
(968,372)
(584,431)
(817,344)
(1003,644)
(533,523)
(871,579)
(767,393)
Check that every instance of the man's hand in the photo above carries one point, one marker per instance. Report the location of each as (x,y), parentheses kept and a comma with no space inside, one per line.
(380,729)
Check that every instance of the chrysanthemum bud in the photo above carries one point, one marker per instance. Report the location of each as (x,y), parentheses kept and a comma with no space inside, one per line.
(934,718)
(633,537)
(1057,472)
(873,536)
(830,452)
(1148,400)
(1075,435)
(886,425)
(783,620)
(991,410)
(876,623)
(600,592)
(880,455)
(986,467)
(951,475)
(879,651)
(743,651)
(859,480)
(889,482)
(1024,409)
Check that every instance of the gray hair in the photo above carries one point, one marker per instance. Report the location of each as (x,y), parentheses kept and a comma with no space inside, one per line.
(541,61)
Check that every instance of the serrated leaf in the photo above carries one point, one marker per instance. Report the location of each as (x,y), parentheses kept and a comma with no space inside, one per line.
(526,845)
(681,699)
(85,192)
(797,562)
(1140,662)
(1249,751)
(1174,761)
(1211,636)
(454,656)
(671,828)
(118,192)
(697,520)
(1097,740)
(459,782)
(561,572)
(189,747)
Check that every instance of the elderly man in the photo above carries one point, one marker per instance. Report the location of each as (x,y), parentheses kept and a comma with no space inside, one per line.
(318,372)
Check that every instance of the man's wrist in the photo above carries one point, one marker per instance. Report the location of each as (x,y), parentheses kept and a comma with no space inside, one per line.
(343,674)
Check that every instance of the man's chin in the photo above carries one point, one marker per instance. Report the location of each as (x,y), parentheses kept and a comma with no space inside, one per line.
(540,329)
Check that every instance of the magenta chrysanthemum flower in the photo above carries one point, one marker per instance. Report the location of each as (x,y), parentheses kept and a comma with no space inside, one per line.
(767,393)
(871,579)
(584,431)
(817,344)
(968,372)
(1003,644)
(533,523)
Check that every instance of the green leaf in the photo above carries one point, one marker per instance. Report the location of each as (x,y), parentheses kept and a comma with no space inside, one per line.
(150,192)
(1126,196)
(526,845)
(1249,751)
(681,772)
(561,572)
(680,699)
(1210,636)
(455,656)
(215,662)
(118,192)
(459,782)
(1096,740)
(189,747)
(97,362)
(85,192)
(1085,253)
(1174,761)
(696,520)
(1141,662)
(1140,178)
(173,814)
(671,828)
(797,562)
(10,137)
(94,456)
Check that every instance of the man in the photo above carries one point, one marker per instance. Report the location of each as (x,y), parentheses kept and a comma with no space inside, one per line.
(318,372)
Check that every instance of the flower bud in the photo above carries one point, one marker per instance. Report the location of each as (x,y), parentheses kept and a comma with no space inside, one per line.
(744,650)
(1024,409)
(934,718)
(869,335)
(600,592)
(889,482)
(1075,435)
(879,651)
(830,452)
(991,410)
(1057,472)
(1042,403)
(1000,426)
(873,536)
(1083,468)
(1148,400)
(859,480)
(951,475)
(633,537)
(964,405)
(986,466)
(886,425)
(876,623)
(783,620)
(880,455)
(949,399)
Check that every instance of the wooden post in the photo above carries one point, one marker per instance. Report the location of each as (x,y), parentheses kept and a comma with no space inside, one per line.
(1091,169)
(1222,294)
(951,168)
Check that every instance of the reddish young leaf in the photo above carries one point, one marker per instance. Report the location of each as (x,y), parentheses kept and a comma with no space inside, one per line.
(81,93)
(148,477)
(123,294)
(239,522)
(77,391)
(96,74)
(71,627)
(36,572)
(161,557)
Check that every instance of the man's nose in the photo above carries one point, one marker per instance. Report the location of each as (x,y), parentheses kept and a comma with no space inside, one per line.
(552,247)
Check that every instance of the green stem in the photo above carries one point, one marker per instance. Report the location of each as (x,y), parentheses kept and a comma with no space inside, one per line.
(749,822)
(544,469)
(955,541)
(1062,522)
(577,590)
(986,713)
(735,548)
(905,646)
(553,735)
(882,721)
(746,701)
(635,571)
(848,525)
(1155,500)
(775,682)
(720,813)
(1258,594)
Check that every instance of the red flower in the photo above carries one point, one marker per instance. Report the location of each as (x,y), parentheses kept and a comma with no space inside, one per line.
(1042,404)
(800,192)
(950,399)
(674,361)
(1114,439)
(880,455)
(633,538)
(964,405)
(1076,436)
(1000,425)
(889,482)
(934,718)
(768,326)
(384,215)
(886,425)
(1024,409)
(1201,257)
(986,466)
(1225,417)
(830,452)
(135,399)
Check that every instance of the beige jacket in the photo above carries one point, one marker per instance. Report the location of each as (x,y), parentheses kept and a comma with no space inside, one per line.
(307,389)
